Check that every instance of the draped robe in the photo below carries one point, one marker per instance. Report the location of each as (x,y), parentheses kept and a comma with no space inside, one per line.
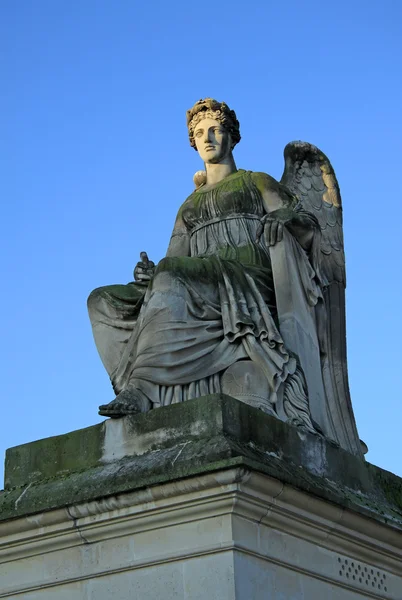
(173,339)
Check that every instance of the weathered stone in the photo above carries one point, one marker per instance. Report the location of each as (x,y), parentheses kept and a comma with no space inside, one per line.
(249,299)
(195,437)
(53,457)
(230,534)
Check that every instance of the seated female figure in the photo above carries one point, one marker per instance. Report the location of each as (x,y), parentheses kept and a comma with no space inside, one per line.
(207,315)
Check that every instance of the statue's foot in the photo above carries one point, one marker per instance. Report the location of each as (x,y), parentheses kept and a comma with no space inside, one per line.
(128,402)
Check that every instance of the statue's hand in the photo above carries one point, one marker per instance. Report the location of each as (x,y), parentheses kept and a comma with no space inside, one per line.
(272,225)
(273,231)
(144,270)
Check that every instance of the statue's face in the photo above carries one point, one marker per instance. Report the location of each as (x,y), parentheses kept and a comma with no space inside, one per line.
(212,141)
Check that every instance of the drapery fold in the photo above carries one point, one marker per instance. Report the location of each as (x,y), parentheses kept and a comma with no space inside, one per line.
(202,313)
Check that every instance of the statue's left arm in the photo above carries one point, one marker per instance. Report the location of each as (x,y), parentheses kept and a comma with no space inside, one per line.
(283,210)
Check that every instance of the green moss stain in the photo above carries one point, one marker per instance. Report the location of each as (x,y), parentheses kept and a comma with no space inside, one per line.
(190,268)
(199,436)
(54,456)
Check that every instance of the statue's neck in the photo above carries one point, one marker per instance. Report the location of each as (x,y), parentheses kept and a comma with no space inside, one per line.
(217,172)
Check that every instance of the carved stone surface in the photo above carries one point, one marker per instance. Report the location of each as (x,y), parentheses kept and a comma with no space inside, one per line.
(199,436)
(249,299)
(233,534)
(245,381)
(207,499)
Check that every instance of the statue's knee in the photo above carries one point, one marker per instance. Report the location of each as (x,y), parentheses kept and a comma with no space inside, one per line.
(172,265)
(95,296)
(164,265)
(167,274)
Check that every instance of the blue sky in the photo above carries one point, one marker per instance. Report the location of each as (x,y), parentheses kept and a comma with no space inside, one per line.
(95,163)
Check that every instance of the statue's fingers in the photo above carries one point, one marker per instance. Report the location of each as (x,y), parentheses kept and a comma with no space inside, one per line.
(273,233)
(267,232)
(259,232)
(139,273)
(279,236)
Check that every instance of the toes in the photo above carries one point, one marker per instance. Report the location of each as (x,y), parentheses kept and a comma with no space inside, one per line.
(118,409)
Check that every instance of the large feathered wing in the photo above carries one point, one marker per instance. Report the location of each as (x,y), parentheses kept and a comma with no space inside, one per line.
(310,177)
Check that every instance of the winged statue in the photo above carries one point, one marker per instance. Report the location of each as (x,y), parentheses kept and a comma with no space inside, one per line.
(309,175)
(248,301)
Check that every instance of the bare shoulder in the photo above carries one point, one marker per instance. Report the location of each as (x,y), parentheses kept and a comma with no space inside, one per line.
(264,181)
(275,194)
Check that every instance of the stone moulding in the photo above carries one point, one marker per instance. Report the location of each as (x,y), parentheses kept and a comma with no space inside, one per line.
(198,436)
(249,485)
(231,500)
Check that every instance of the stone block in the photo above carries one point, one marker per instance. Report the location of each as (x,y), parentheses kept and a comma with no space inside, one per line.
(209,500)
(195,437)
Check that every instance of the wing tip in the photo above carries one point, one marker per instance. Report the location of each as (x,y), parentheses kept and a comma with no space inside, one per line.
(299,150)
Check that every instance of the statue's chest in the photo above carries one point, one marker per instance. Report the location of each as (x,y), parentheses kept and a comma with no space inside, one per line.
(226,199)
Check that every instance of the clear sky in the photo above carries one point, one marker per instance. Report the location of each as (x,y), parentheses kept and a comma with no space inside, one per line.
(95,163)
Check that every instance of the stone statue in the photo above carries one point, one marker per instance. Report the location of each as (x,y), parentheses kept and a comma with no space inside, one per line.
(249,300)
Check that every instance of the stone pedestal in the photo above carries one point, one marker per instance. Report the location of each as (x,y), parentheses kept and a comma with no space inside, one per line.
(210,499)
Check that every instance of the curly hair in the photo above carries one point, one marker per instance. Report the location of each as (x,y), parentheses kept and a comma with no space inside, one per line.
(215,110)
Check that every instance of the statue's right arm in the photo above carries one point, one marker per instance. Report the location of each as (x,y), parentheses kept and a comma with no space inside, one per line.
(180,241)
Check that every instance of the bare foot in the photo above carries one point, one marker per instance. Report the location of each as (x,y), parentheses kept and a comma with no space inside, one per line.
(128,402)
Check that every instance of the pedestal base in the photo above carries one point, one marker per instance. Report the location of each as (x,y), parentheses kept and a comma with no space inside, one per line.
(268,515)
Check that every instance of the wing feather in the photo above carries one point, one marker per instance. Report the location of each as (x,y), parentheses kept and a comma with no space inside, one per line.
(309,175)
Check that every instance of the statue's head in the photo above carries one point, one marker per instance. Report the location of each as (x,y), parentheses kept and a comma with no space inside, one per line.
(213,129)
